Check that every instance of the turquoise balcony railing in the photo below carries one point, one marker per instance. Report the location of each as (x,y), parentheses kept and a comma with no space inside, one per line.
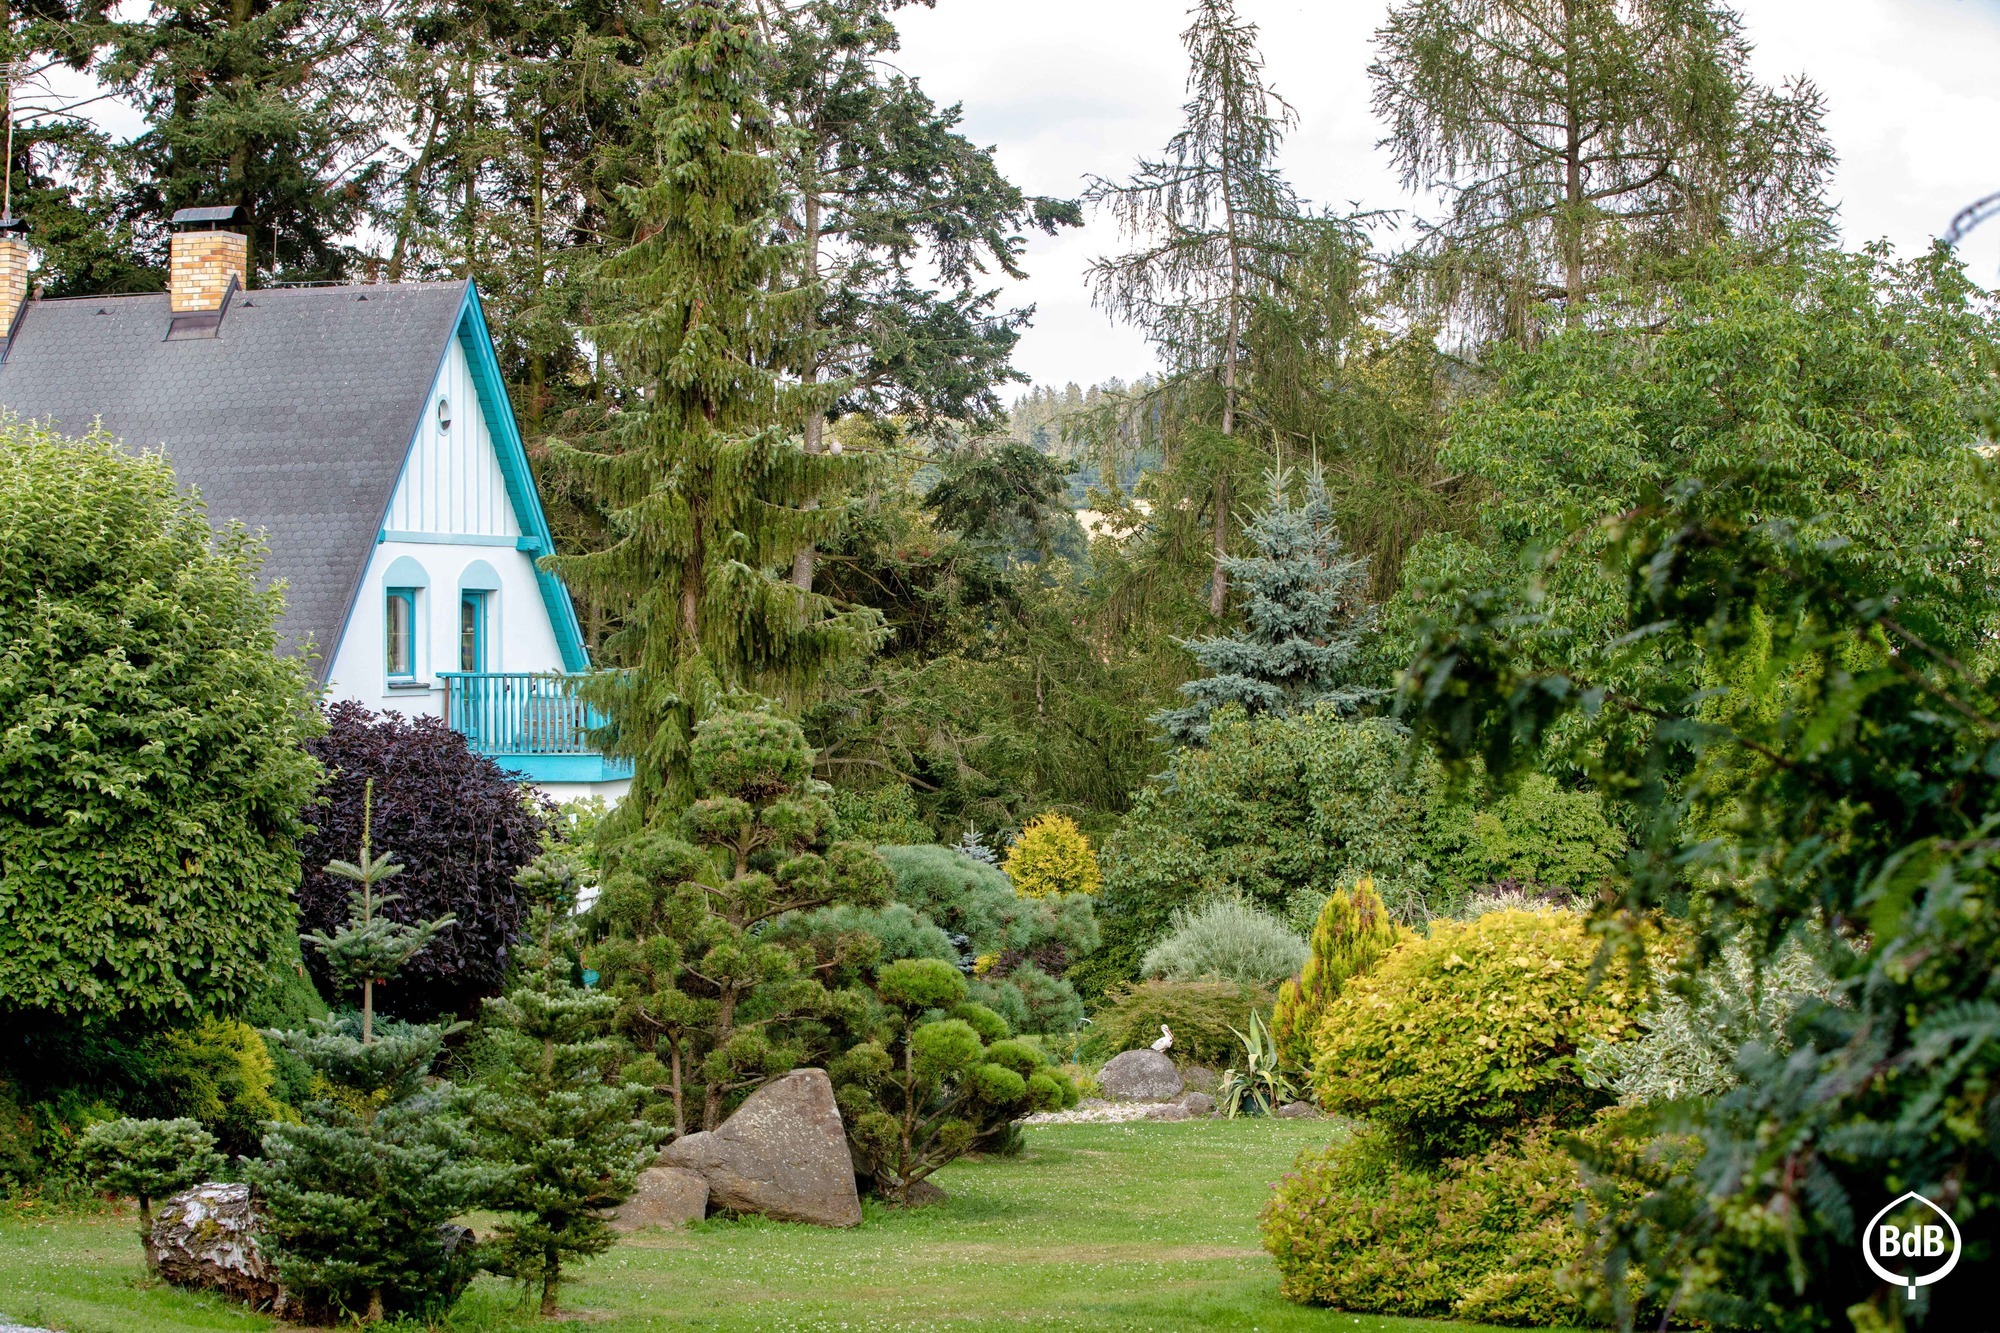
(531,723)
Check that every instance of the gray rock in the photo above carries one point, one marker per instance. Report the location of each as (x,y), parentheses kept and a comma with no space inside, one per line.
(1297,1111)
(1198,1103)
(783,1154)
(1200,1078)
(923,1194)
(663,1196)
(1140,1076)
(207,1238)
(1170,1111)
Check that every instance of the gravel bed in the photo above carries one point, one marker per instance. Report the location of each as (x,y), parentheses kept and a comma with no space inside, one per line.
(1090,1111)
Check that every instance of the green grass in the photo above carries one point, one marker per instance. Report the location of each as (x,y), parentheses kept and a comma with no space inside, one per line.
(1099,1227)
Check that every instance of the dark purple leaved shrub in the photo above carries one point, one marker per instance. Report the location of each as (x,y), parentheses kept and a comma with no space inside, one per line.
(460,827)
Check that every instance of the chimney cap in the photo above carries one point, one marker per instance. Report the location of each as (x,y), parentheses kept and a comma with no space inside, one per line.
(188,217)
(14,224)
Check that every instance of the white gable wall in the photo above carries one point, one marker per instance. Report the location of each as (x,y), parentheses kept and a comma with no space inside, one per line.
(450,510)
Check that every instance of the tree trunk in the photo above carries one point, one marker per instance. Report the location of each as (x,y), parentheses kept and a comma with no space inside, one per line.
(413,185)
(1572,238)
(146,1236)
(1218,588)
(538,362)
(802,563)
(367,1012)
(725,1027)
(680,1093)
(551,1279)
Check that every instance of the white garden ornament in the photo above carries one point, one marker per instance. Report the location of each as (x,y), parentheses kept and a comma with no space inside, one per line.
(1166,1040)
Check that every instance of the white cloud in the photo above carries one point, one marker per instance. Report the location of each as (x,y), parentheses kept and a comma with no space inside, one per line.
(1068,88)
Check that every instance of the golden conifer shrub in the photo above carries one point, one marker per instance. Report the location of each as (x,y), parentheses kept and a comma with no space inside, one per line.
(1052,856)
(1352,932)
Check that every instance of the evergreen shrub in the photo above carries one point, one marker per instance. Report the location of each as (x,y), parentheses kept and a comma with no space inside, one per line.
(1453,1039)
(1201,1014)
(457,823)
(1052,856)
(1226,939)
(939,1080)
(1488,1238)
(149,1160)
(153,771)
(1353,932)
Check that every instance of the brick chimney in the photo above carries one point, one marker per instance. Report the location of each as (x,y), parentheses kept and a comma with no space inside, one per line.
(13,272)
(204,259)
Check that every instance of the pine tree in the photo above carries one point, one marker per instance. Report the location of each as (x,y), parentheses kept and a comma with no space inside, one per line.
(711,495)
(273,107)
(1218,226)
(1353,931)
(1578,136)
(359,1193)
(1305,615)
(548,1109)
(714,1002)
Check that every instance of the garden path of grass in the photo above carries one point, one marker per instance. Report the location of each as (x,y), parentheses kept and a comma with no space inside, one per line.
(1099,1227)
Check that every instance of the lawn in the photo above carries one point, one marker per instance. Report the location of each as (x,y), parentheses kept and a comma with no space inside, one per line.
(1100,1227)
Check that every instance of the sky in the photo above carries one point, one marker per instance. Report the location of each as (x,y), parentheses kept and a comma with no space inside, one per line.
(1067,89)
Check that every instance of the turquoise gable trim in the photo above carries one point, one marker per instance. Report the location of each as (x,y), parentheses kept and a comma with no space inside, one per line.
(513,455)
(532,544)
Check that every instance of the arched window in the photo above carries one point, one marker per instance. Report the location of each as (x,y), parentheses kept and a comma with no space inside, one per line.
(402,591)
(478,593)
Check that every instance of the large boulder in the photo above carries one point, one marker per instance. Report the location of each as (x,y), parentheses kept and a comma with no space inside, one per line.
(663,1196)
(783,1154)
(207,1238)
(1140,1076)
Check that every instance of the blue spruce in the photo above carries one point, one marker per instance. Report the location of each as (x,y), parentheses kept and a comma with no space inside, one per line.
(1305,619)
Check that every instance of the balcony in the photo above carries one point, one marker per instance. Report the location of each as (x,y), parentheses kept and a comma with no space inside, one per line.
(530,724)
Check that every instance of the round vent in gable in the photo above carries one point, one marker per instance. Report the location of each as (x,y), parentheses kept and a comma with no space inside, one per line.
(444,415)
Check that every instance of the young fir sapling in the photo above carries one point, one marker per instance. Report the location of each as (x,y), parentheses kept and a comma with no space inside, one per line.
(547,1107)
(360,1192)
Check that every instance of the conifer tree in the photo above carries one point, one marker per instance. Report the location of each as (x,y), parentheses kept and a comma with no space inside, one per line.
(1306,619)
(550,1109)
(360,1191)
(710,493)
(1577,137)
(1217,226)
(715,1003)
(1353,931)
(148,1159)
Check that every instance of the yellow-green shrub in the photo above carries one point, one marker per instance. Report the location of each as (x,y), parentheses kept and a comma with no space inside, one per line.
(1488,1238)
(1457,1037)
(1052,855)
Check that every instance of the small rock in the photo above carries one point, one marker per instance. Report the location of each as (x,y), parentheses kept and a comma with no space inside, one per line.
(1200,1078)
(207,1237)
(923,1194)
(1170,1111)
(783,1154)
(664,1196)
(1297,1111)
(1140,1076)
(1198,1103)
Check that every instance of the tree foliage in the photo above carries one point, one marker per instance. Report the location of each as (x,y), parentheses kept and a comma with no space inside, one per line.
(149,1159)
(153,771)
(1353,932)
(459,827)
(715,1001)
(1579,140)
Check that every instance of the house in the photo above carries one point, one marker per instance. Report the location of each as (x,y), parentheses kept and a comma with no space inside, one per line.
(366,431)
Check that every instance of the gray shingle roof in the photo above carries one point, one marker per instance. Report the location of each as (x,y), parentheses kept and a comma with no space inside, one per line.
(295,419)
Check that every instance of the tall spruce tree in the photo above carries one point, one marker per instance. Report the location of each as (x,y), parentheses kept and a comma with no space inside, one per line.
(1306,621)
(1217,226)
(1578,137)
(710,492)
